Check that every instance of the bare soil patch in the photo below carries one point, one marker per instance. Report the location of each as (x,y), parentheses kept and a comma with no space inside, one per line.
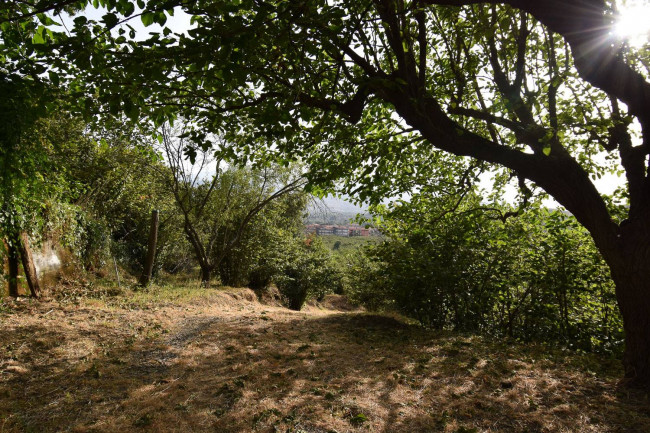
(224,362)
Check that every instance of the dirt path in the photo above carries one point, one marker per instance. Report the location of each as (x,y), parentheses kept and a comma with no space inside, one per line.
(230,364)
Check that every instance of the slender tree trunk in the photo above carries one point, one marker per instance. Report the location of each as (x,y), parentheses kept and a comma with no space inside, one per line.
(199,252)
(12,259)
(28,265)
(151,251)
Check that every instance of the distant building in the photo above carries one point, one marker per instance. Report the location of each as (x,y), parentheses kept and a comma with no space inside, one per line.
(341,231)
(330,230)
(359,231)
(325,230)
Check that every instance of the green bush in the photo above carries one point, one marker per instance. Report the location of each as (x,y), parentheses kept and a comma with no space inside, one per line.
(306,269)
(537,276)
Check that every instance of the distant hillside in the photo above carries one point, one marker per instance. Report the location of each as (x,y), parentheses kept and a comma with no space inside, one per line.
(332,210)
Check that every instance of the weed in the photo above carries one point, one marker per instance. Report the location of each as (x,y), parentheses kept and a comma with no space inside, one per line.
(143,421)
(358,419)
(264,415)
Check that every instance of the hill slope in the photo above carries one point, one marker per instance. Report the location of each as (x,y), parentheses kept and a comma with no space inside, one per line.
(220,361)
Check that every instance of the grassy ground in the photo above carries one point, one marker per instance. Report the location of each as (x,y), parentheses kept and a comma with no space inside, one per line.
(194,360)
(346,243)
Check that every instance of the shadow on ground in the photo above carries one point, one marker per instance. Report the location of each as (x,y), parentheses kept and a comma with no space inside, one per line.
(264,369)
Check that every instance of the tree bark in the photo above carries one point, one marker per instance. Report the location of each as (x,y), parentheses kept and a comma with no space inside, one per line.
(630,268)
(28,265)
(145,278)
(12,259)
(206,275)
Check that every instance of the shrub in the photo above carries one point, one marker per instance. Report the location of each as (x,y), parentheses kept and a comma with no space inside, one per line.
(537,276)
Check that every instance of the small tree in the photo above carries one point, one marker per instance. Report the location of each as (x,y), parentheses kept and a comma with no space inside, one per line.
(219,208)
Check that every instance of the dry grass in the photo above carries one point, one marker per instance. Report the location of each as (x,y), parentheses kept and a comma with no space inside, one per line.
(219,361)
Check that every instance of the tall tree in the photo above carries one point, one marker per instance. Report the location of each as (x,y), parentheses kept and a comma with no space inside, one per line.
(374,89)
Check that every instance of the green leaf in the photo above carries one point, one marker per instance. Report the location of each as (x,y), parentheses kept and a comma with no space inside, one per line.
(110,20)
(161,18)
(80,21)
(54,78)
(37,39)
(148,18)
(128,8)
(546,150)
(45,20)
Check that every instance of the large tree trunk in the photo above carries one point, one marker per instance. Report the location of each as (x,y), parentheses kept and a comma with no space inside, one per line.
(635,308)
(630,268)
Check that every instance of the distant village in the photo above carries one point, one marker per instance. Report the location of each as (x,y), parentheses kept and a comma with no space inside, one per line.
(340,230)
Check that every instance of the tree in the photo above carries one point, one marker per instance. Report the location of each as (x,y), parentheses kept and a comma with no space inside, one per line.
(305,269)
(374,89)
(260,255)
(219,208)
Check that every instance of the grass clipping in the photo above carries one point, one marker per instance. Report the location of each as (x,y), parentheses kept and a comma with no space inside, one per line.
(171,360)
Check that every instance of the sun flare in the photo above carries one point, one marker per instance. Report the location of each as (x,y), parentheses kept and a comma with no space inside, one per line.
(633,22)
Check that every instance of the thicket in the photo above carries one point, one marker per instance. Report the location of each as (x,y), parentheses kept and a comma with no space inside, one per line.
(535,276)
(91,192)
(84,190)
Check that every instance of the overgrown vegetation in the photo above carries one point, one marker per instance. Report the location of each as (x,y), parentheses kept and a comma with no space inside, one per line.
(103,185)
(535,277)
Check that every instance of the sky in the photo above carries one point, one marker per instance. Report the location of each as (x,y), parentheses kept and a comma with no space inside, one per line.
(178,23)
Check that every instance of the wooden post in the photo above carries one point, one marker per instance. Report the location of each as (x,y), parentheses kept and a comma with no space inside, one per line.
(151,253)
(117,274)
(28,265)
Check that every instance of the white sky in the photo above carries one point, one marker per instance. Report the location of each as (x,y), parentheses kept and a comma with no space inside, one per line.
(178,23)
